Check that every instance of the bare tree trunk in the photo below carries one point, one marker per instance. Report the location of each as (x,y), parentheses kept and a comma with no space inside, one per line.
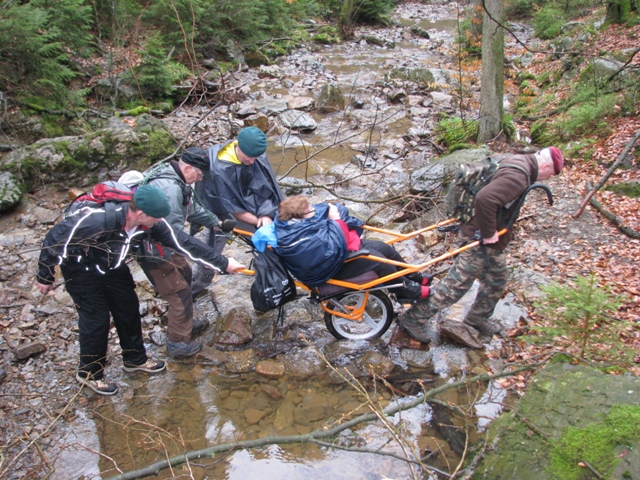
(492,86)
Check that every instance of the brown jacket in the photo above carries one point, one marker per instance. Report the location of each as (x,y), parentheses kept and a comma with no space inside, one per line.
(506,185)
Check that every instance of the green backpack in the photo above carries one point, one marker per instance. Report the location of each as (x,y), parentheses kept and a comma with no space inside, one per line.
(469,179)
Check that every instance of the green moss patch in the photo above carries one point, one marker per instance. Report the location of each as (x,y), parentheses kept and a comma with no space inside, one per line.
(595,444)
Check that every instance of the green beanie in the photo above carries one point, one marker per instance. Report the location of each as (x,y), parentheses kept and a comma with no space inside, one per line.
(152,201)
(252,141)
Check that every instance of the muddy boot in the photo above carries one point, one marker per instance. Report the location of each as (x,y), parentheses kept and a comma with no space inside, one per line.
(198,326)
(488,327)
(414,321)
(179,350)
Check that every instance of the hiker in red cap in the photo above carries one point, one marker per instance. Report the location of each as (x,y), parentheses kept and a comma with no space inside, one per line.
(493,203)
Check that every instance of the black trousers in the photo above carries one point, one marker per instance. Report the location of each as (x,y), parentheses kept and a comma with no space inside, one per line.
(362,265)
(96,296)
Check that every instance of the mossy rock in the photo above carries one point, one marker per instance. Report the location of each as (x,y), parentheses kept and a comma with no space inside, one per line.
(421,76)
(561,399)
(75,158)
(11,190)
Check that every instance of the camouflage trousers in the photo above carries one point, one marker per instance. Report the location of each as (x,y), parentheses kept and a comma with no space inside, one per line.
(468,266)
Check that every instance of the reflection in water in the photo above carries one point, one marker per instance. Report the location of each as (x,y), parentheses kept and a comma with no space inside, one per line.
(193,407)
(79,456)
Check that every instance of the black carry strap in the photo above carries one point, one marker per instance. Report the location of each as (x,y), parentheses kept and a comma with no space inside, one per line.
(514,216)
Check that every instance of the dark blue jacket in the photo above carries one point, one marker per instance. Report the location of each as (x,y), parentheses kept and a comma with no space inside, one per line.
(85,237)
(313,249)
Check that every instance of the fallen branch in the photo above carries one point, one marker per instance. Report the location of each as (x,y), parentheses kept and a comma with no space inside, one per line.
(606,176)
(155,468)
(613,218)
(592,470)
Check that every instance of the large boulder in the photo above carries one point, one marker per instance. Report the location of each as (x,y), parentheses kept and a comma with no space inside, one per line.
(297,120)
(70,158)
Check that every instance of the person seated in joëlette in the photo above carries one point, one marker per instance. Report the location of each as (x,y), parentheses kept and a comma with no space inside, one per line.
(313,242)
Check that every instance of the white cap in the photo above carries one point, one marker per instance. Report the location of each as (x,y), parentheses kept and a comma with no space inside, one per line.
(131,178)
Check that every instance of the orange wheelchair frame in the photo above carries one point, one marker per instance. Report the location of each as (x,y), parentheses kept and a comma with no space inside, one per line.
(363,310)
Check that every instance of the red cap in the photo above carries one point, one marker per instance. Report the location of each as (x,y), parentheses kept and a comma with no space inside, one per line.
(558,159)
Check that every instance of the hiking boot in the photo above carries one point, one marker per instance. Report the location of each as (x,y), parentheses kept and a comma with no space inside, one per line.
(98,386)
(490,327)
(414,323)
(198,326)
(183,350)
(150,366)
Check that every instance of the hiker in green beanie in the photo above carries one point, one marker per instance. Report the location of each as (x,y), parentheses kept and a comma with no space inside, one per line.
(240,183)
(91,246)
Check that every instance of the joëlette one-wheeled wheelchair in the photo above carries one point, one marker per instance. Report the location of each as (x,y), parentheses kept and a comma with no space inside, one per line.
(360,308)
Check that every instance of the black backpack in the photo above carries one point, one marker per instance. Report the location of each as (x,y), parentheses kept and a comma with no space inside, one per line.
(273,285)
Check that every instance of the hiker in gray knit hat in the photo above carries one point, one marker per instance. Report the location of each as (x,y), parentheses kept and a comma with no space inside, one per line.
(171,276)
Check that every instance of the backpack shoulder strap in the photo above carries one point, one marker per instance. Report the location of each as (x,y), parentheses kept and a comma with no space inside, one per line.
(110,215)
(519,167)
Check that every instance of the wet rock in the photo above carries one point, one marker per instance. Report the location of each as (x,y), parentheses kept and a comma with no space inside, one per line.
(253,415)
(269,71)
(213,356)
(271,391)
(290,141)
(148,123)
(401,339)
(443,424)
(313,409)
(304,363)
(11,190)
(158,337)
(271,106)
(331,99)
(15,238)
(29,349)
(461,333)
(397,96)
(10,295)
(270,368)
(245,110)
(259,120)
(284,415)
(301,103)
(364,161)
(297,120)
(344,374)
(376,364)
(416,358)
(420,32)
(241,362)
(440,99)
(421,76)
(427,178)
(234,328)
